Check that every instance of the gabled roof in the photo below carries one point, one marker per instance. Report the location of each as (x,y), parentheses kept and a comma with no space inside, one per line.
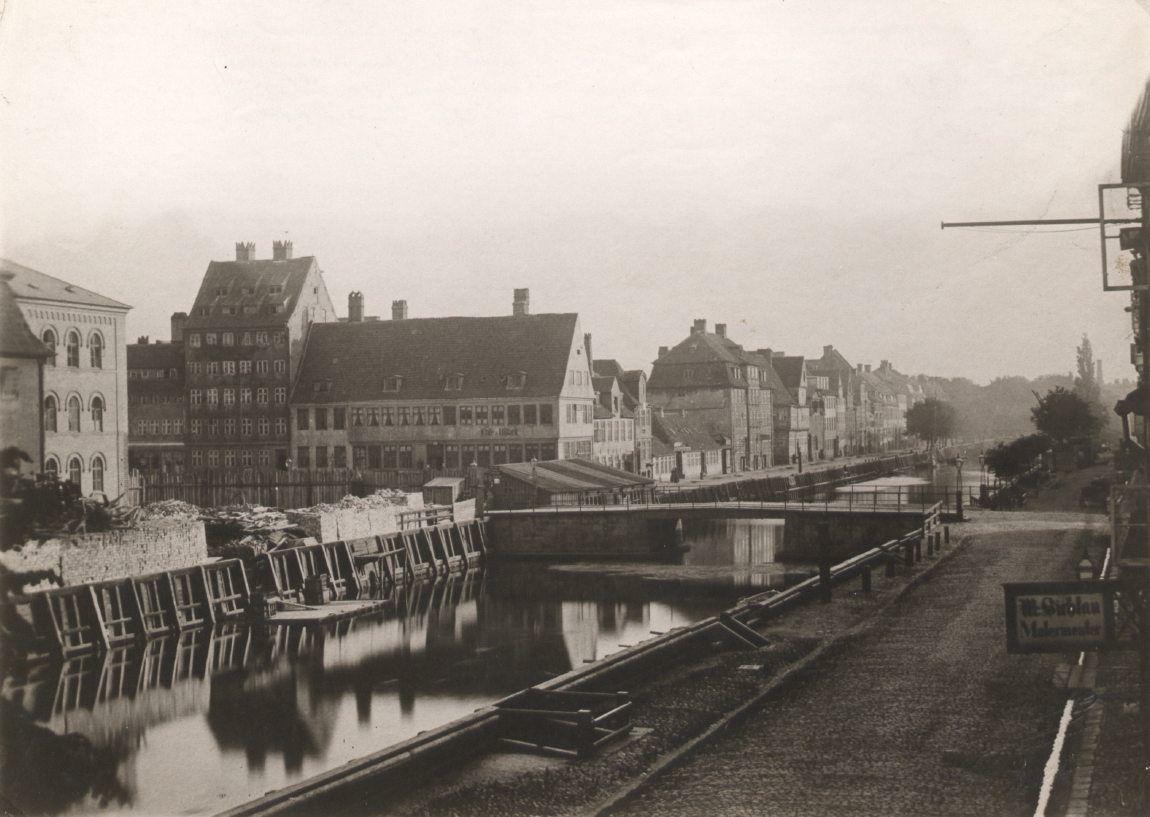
(602,383)
(769,378)
(571,476)
(234,276)
(629,383)
(16,339)
(606,368)
(831,361)
(687,432)
(349,362)
(33,284)
(791,370)
(701,359)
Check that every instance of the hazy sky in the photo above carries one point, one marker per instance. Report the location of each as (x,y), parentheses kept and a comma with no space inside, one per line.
(780,166)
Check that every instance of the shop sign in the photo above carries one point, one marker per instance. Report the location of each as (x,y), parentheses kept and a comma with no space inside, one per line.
(1059,616)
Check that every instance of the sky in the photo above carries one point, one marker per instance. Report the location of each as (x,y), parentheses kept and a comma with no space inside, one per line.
(779,166)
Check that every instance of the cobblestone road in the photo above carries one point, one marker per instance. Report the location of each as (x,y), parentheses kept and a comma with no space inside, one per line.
(923,714)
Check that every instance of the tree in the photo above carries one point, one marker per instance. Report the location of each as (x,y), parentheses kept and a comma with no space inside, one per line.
(931,420)
(1086,385)
(1015,458)
(1065,416)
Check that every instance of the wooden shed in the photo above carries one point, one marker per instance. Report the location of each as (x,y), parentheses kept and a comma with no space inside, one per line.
(566,482)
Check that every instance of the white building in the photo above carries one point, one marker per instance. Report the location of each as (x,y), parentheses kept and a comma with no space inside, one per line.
(85,403)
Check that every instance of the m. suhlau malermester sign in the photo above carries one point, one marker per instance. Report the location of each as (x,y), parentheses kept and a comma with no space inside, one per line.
(1059,616)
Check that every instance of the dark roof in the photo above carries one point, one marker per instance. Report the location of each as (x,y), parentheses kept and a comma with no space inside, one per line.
(607,368)
(155,355)
(571,476)
(16,339)
(349,362)
(708,358)
(790,370)
(671,428)
(831,361)
(769,378)
(602,383)
(602,412)
(234,276)
(29,283)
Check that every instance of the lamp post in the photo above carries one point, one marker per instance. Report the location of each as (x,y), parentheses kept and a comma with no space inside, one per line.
(958,461)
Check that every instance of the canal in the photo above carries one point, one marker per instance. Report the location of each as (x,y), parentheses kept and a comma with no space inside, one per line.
(204,721)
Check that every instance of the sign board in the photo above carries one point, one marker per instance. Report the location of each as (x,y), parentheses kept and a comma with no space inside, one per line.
(1059,616)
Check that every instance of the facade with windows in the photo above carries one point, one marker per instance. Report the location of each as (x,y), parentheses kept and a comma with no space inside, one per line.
(614,441)
(443,393)
(157,413)
(84,409)
(243,342)
(22,357)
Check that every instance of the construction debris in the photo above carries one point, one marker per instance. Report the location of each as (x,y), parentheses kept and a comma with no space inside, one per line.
(169,509)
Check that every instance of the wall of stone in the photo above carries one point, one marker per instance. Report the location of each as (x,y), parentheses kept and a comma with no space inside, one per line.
(580,536)
(115,554)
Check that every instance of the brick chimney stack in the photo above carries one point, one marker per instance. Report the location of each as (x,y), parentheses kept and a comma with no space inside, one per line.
(179,320)
(245,251)
(521,305)
(281,251)
(399,310)
(587,351)
(721,330)
(699,327)
(663,351)
(354,307)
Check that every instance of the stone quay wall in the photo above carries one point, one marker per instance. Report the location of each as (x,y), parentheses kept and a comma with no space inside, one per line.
(580,536)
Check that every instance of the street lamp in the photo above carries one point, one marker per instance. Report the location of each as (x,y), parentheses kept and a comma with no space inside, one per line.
(1085,567)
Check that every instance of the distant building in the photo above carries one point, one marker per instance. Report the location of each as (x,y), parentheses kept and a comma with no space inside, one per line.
(85,403)
(614,441)
(685,446)
(22,357)
(443,393)
(825,403)
(243,343)
(720,388)
(841,380)
(157,411)
(793,426)
(630,386)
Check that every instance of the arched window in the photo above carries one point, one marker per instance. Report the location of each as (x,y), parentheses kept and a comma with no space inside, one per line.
(49,338)
(97,413)
(98,473)
(73,413)
(50,409)
(96,350)
(73,348)
(52,466)
(74,468)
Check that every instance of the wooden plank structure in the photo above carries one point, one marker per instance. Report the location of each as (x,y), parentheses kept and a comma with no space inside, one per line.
(571,724)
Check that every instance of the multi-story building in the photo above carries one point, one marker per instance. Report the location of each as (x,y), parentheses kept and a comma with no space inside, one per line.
(883,414)
(157,411)
(793,442)
(840,376)
(22,357)
(443,393)
(614,441)
(824,403)
(719,388)
(243,344)
(632,385)
(85,403)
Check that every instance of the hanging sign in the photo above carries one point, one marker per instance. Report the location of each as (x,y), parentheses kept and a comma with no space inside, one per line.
(1059,616)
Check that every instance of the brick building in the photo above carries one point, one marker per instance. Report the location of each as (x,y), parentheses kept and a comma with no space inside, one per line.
(792,426)
(85,403)
(157,411)
(614,441)
(243,343)
(841,379)
(22,357)
(722,390)
(443,393)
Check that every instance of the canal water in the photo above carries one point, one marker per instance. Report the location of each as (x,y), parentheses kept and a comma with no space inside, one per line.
(204,721)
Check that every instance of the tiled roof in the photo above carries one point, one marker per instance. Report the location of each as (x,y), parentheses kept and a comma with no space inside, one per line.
(671,428)
(701,359)
(790,370)
(831,360)
(16,339)
(602,383)
(155,355)
(607,368)
(349,362)
(571,476)
(29,283)
(258,276)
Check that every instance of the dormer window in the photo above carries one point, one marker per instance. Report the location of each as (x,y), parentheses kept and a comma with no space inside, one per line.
(392,383)
(248,290)
(454,382)
(516,380)
(221,290)
(275,289)
(204,311)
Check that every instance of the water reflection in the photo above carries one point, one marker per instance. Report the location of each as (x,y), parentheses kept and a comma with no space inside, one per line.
(744,549)
(205,720)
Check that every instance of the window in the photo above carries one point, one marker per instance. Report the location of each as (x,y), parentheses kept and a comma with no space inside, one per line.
(357,417)
(212,428)
(210,339)
(481,415)
(303,457)
(483,456)
(246,426)
(247,339)
(261,338)
(177,426)
(454,382)
(465,415)
(245,397)
(387,416)
(194,427)
(263,426)
(194,340)
(301,419)
(172,374)
(213,367)
(213,457)
(513,415)
(73,413)
(228,339)
(281,367)
(339,456)
(262,395)
(545,416)
(359,456)
(529,415)
(373,457)
(50,409)
(96,352)
(515,453)
(213,397)
(390,459)
(339,419)
(265,458)
(321,421)
(279,338)
(72,348)
(281,427)
(229,426)
(451,457)
(229,397)
(74,469)
(516,380)
(261,367)
(434,415)
(49,338)
(321,456)
(373,417)
(418,416)
(246,458)
(275,289)
(221,290)
(497,415)
(281,395)
(449,415)
(52,466)
(229,367)
(197,458)
(196,397)
(405,456)
(229,458)
(392,383)
(98,414)
(245,367)
(404,416)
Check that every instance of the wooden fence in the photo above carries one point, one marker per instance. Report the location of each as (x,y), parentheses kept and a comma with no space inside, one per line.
(296,488)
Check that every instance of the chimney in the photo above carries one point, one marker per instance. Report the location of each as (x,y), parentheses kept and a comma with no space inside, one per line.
(859,366)
(142,340)
(281,251)
(587,351)
(721,330)
(179,319)
(827,350)
(521,305)
(399,310)
(663,351)
(884,366)
(867,367)
(699,327)
(245,251)
(355,307)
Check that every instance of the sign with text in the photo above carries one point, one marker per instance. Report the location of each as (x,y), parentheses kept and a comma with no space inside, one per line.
(1059,616)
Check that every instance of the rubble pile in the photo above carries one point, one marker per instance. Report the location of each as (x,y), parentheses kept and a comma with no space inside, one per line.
(169,509)
(246,531)
(384,497)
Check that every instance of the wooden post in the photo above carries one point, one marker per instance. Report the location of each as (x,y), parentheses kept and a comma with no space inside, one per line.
(890,568)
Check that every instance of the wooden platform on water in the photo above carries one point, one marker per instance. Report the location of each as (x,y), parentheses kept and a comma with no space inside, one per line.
(331,611)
